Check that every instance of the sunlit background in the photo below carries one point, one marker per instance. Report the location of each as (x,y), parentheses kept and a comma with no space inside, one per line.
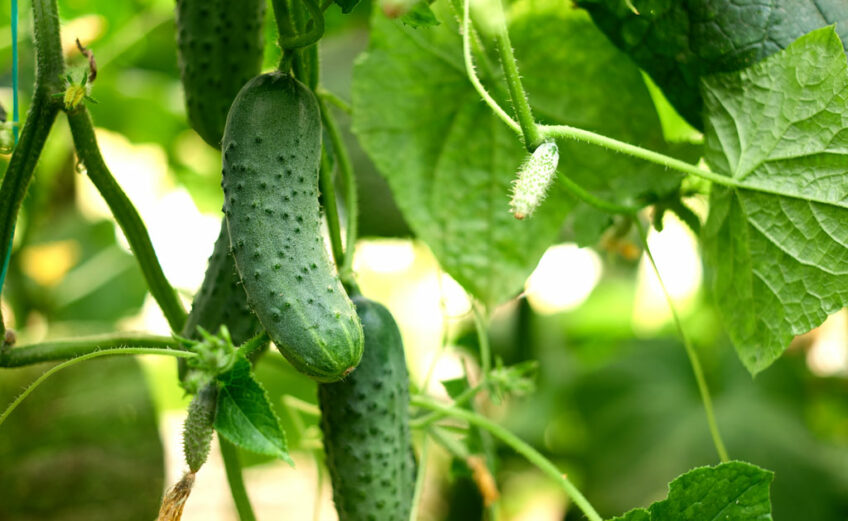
(616,405)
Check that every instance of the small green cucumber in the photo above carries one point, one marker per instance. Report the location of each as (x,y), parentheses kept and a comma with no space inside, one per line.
(365,420)
(220,45)
(199,426)
(272,146)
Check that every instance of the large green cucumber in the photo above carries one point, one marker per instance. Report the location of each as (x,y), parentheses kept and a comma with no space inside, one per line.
(272,145)
(365,419)
(219,44)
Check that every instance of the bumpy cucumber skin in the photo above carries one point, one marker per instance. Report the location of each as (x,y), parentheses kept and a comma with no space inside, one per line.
(199,426)
(219,44)
(221,298)
(272,145)
(365,420)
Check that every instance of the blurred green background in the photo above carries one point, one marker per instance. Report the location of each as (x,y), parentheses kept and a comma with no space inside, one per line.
(616,405)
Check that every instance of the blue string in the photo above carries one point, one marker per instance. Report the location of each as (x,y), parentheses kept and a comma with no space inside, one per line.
(15,117)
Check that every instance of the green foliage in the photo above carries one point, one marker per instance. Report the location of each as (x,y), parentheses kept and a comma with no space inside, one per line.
(244,415)
(272,147)
(450,162)
(735,491)
(679,42)
(776,238)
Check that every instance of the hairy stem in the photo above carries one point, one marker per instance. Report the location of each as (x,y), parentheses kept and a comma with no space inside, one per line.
(127,216)
(519,446)
(106,352)
(472,75)
(52,351)
(349,186)
(690,352)
(232,465)
(532,136)
(331,210)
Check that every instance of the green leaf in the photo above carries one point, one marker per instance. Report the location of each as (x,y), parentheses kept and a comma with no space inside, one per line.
(777,240)
(734,491)
(244,415)
(450,162)
(677,43)
(420,15)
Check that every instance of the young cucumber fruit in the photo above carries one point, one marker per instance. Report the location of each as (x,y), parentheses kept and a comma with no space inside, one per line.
(199,426)
(219,44)
(272,145)
(365,420)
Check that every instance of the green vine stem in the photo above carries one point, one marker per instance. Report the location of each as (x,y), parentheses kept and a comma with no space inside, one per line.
(50,67)
(105,352)
(434,416)
(532,455)
(328,198)
(334,99)
(55,350)
(419,479)
(348,185)
(472,76)
(532,137)
(690,352)
(127,216)
(232,465)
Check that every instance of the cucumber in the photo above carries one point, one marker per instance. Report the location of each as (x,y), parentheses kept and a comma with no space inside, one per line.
(272,145)
(219,48)
(365,420)
(221,299)
(199,426)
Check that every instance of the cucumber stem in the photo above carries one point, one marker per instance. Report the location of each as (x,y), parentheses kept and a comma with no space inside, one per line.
(703,389)
(348,179)
(73,361)
(532,136)
(54,350)
(532,455)
(331,210)
(232,465)
(127,217)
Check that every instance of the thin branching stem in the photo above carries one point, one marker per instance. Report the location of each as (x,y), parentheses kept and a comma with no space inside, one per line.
(472,75)
(348,179)
(55,350)
(68,363)
(690,352)
(232,466)
(532,455)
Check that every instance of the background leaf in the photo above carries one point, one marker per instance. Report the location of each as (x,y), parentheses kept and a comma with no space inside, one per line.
(244,415)
(779,253)
(678,42)
(733,491)
(84,445)
(450,162)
